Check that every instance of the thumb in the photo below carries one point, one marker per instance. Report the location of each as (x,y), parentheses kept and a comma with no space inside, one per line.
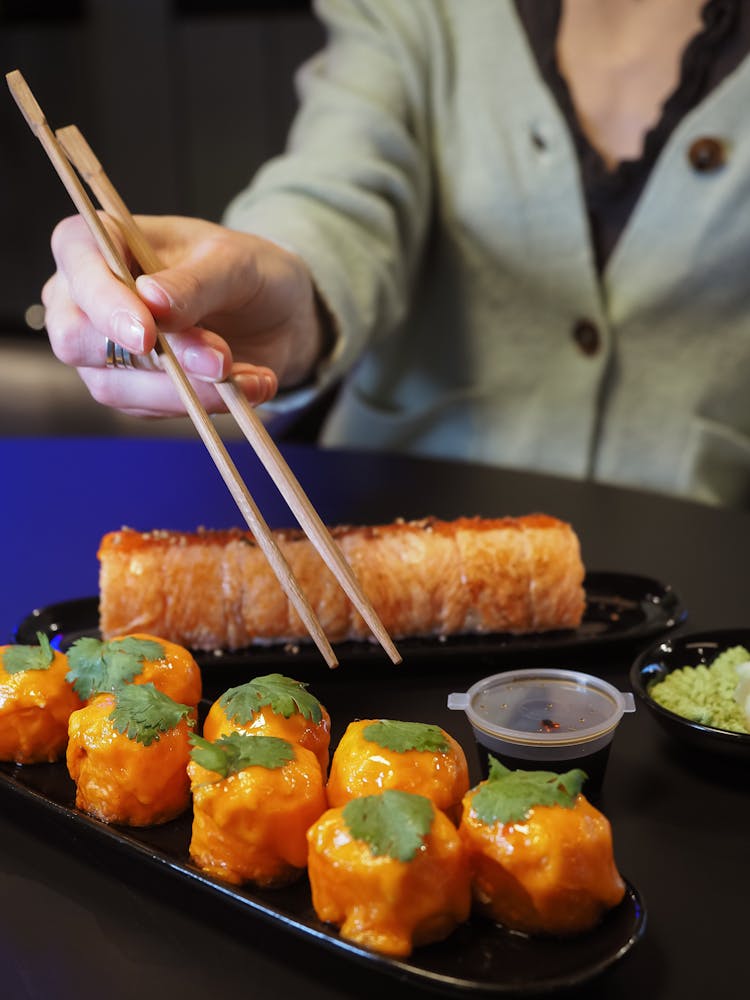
(174,297)
(208,283)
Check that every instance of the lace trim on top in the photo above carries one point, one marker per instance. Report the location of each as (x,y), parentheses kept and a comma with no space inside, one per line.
(709,57)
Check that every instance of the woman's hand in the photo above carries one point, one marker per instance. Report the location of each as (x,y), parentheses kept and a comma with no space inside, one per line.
(232,303)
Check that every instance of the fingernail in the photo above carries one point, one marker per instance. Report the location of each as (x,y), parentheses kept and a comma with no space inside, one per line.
(128,331)
(154,292)
(205,363)
(251,385)
(257,388)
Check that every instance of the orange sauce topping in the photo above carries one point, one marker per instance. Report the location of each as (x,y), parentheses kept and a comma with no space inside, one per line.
(552,873)
(175,674)
(361,767)
(295,728)
(35,706)
(251,826)
(120,780)
(384,904)
(128,540)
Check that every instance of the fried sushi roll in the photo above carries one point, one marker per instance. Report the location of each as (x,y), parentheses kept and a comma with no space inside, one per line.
(540,855)
(377,754)
(128,753)
(389,871)
(254,798)
(216,590)
(36,701)
(273,705)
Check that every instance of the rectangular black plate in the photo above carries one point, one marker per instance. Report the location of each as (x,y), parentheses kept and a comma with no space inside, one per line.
(479,957)
(620,608)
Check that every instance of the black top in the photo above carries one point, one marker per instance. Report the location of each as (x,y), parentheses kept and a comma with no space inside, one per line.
(709,57)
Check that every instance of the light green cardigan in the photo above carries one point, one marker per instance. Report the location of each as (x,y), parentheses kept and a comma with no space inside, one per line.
(432,187)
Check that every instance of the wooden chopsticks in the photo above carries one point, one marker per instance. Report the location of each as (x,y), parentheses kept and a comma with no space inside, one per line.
(70,146)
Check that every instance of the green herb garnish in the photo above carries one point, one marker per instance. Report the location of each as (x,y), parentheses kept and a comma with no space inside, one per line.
(508,796)
(403,736)
(16,659)
(143,713)
(97,666)
(281,694)
(234,752)
(393,823)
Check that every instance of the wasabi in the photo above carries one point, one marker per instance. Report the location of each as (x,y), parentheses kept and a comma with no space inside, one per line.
(742,694)
(706,694)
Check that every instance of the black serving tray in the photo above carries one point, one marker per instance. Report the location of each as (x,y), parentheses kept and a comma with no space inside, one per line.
(620,608)
(478,958)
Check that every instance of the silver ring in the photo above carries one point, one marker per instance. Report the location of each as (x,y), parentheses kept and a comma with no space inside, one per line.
(117,356)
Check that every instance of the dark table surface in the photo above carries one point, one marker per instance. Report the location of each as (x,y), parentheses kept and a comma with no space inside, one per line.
(76,921)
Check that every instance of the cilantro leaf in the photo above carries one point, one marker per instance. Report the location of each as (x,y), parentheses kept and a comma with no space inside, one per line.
(16,659)
(143,713)
(508,796)
(97,666)
(403,736)
(282,695)
(236,751)
(393,823)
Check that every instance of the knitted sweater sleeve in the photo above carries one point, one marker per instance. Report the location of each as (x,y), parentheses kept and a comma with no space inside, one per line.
(351,194)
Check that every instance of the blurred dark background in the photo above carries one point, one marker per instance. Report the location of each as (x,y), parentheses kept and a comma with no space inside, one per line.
(182,101)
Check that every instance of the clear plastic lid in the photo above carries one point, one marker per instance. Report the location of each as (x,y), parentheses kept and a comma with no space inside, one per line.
(543,707)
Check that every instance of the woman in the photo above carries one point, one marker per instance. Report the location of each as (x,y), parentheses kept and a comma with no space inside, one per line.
(512,229)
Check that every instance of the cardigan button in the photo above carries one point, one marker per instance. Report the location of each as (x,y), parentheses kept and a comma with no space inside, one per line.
(586,335)
(707,154)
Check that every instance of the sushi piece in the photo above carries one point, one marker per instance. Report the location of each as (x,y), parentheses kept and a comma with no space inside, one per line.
(389,871)
(128,752)
(275,706)
(254,798)
(377,754)
(36,701)
(138,658)
(540,855)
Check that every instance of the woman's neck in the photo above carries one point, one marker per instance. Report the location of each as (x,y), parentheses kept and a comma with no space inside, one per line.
(621,61)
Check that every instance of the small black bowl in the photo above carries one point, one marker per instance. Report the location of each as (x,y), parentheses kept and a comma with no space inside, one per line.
(656,663)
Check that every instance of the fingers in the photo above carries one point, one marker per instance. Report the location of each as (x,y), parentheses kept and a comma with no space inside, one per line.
(258,384)
(201,286)
(210,276)
(78,343)
(110,307)
(258,295)
(72,338)
(151,394)
(85,303)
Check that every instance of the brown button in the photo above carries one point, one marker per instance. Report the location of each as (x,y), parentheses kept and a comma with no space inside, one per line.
(707,154)
(586,335)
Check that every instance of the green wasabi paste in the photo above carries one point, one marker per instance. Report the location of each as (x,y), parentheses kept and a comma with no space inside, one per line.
(706,694)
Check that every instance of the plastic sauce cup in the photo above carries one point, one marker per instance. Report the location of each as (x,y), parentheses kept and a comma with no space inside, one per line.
(545,720)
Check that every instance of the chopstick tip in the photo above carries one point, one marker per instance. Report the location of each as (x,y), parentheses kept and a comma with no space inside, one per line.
(25,100)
